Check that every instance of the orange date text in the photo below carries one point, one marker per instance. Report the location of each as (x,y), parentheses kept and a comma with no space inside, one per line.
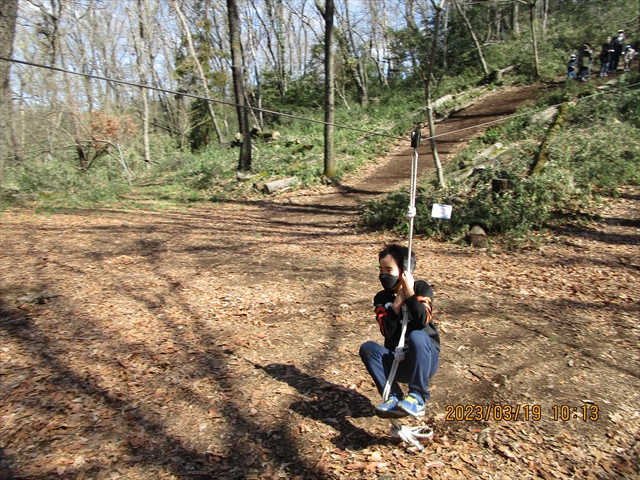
(476,413)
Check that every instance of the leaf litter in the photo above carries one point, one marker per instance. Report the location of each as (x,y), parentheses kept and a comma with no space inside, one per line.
(222,341)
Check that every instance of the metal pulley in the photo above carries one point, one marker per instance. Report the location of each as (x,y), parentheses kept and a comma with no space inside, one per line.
(416,135)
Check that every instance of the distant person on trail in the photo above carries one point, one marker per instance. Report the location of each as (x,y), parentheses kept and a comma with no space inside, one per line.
(585,62)
(628,55)
(588,45)
(605,57)
(618,46)
(571,67)
(422,345)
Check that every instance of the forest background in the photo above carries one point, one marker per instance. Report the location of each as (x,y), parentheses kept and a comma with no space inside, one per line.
(160,317)
(74,137)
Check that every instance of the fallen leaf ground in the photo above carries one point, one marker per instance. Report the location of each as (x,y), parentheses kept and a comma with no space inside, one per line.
(221,341)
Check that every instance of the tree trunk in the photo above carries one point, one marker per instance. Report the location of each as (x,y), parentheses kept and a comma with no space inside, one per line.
(145,129)
(203,78)
(444,47)
(70,92)
(378,42)
(275,16)
(515,21)
(432,130)
(341,94)
(409,16)
(361,77)
(485,68)
(499,185)
(238,85)
(141,47)
(534,37)
(541,157)
(256,72)
(8,15)
(351,56)
(171,109)
(329,88)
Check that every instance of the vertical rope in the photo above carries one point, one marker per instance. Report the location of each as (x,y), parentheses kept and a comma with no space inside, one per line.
(411,211)
(405,433)
(413,189)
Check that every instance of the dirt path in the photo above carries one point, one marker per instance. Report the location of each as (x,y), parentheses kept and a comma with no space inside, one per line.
(222,341)
(332,204)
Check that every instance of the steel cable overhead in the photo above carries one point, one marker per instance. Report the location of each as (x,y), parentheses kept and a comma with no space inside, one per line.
(289,115)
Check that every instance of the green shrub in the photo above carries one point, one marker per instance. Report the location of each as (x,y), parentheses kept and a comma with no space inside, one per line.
(597,150)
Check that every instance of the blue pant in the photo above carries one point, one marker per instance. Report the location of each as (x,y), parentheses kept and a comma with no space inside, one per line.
(419,365)
(604,64)
(614,62)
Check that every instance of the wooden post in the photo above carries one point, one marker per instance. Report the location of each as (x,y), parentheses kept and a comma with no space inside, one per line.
(499,184)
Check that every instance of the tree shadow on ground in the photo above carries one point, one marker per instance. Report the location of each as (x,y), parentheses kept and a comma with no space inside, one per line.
(160,449)
(330,404)
(17,326)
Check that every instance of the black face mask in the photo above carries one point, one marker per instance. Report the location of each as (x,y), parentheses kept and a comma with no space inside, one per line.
(388,281)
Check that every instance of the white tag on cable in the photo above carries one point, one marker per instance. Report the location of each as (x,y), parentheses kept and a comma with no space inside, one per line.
(441,211)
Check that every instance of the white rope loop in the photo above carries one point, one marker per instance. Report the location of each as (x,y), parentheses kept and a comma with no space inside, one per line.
(411,434)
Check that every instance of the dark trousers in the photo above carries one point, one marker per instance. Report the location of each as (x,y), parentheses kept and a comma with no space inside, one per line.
(583,74)
(419,365)
(604,64)
(614,61)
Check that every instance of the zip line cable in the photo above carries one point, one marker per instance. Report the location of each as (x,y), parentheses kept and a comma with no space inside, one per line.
(199,97)
(297,117)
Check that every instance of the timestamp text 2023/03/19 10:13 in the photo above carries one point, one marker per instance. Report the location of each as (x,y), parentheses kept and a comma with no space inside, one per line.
(586,412)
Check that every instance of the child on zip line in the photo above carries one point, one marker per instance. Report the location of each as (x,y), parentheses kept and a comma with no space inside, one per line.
(422,345)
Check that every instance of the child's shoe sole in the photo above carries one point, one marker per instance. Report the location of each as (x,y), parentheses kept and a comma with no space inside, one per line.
(394,413)
(389,409)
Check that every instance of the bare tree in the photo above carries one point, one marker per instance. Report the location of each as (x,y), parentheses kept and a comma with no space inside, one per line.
(379,38)
(174,118)
(432,131)
(92,38)
(460,10)
(534,35)
(238,85)
(545,18)
(274,11)
(258,78)
(55,17)
(271,51)
(8,15)
(327,11)
(353,56)
(515,18)
(140,42)
(203,78)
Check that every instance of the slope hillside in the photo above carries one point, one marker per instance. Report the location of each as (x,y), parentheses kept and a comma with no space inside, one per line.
(393,171)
